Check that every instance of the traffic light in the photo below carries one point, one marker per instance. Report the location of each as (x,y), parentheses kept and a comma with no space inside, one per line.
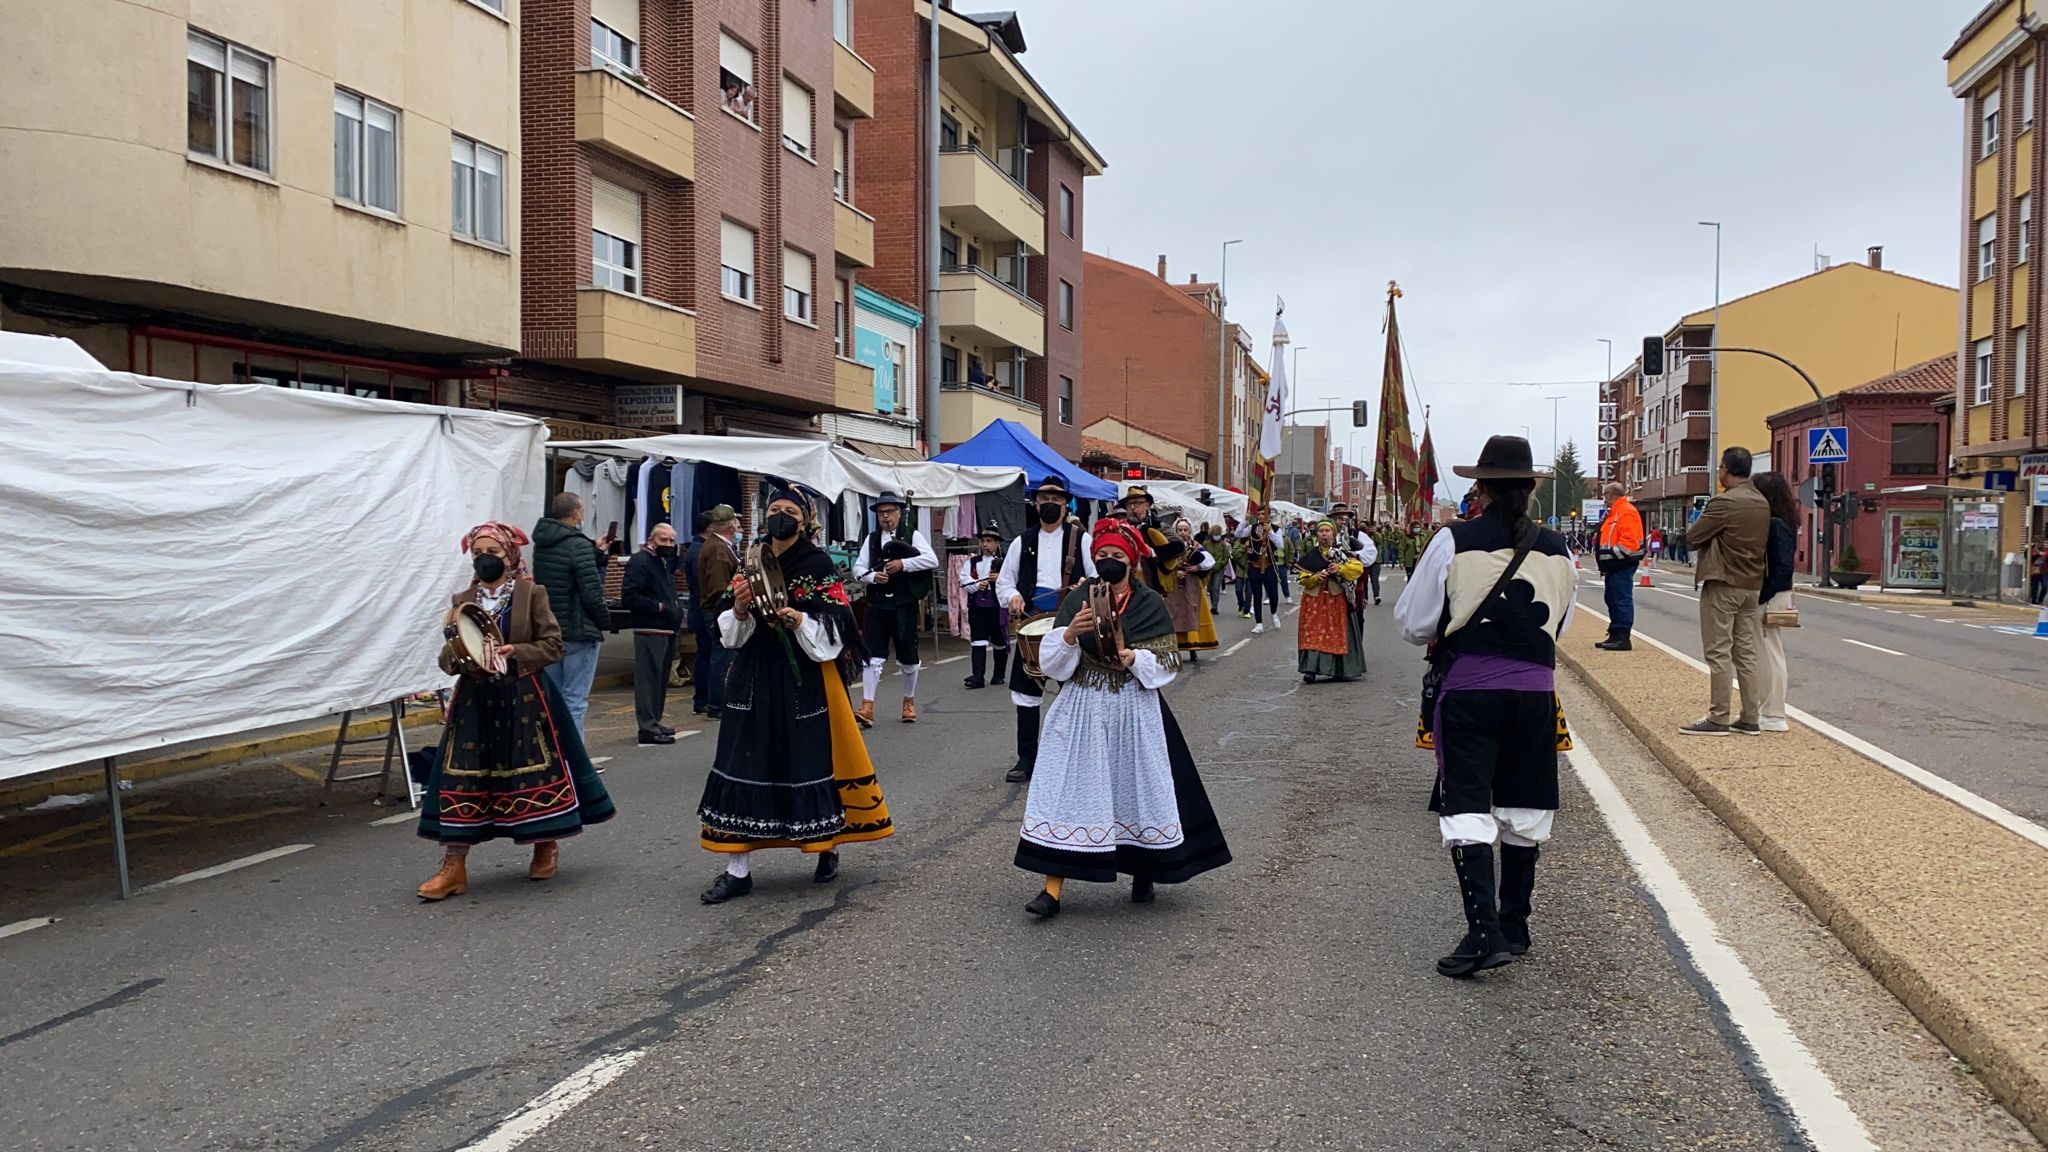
(1845,507)
(1358,413)
(1134,471)
(1653,355)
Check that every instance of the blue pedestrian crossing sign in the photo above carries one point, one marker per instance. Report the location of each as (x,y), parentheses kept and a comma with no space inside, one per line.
(1827,445)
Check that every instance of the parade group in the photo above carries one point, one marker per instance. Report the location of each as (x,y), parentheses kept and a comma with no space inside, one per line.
(1084,625)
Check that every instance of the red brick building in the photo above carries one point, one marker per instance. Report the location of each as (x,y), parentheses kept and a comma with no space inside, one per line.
(1897,438)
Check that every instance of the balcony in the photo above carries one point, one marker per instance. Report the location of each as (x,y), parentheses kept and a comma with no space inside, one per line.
(853,386)
(634,336)
(853,83)
(987,200)
(631,122)
(995,312)
(965,409)
(1689,482)
(853,234)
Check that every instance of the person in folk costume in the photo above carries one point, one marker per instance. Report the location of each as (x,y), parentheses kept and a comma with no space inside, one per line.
(1262,548)
(1330,623)
(791,770)
(896,562)
(988,621)
(1137,511)
(1040,567)
(1238,553)
(1490,596)
(1119,792)
(1184,584)
(511,761)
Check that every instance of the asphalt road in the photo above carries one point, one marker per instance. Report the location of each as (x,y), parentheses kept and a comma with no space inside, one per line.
(1286,1002)
(1962,692)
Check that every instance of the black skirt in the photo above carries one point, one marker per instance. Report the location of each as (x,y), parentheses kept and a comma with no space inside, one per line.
(772,776)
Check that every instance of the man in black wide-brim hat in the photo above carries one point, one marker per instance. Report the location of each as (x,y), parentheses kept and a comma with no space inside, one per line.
(1490,596)
(896,562)
(1041,565)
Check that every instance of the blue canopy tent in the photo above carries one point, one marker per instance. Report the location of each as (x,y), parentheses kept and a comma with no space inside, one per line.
(1008,444)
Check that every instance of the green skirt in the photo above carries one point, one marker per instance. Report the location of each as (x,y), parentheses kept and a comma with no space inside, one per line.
(1350,666)
(511,765)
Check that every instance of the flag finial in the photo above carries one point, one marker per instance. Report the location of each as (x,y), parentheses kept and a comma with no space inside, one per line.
(1393,290)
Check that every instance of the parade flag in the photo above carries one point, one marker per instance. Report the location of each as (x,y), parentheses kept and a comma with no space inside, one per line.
(1394,469)
(1272,439)
(1426,475)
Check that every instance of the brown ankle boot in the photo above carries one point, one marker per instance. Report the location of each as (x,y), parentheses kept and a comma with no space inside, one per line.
(546,855)
(451,880)
(909,710)
(865,714)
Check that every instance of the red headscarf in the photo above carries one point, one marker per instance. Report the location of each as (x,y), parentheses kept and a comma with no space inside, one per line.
(509,537)
(1121,535)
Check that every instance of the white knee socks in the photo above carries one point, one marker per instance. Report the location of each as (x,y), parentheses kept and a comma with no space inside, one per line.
(870,679)
(910,672)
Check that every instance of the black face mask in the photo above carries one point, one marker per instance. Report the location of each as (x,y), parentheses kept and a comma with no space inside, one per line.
(664,549)
(488,567)
(1113,571)
(1051,513)
(781,525)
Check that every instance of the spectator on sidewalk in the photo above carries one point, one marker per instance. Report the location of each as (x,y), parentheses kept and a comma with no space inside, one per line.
(1732,536)
(570,565)
(2039,567)
(650,594)
(1618,551)
(1776,596)
(692,618)
(717,562)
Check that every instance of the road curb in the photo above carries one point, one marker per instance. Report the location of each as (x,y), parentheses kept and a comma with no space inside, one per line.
(1897,600)
(2016,1074)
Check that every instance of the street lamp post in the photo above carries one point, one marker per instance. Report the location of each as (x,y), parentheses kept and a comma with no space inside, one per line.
(1610,357)
(1555,511)
(1287,434)
(1223,365)
(1714,365)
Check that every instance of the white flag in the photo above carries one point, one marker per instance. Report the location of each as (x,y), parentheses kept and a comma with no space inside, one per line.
(1276,395)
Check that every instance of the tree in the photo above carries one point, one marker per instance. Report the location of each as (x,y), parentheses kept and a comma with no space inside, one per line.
(1567,488)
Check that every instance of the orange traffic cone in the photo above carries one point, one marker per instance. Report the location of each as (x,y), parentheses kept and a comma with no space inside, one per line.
(1644,582)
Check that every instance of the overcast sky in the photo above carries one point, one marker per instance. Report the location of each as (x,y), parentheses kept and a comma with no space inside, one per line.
(1531,173)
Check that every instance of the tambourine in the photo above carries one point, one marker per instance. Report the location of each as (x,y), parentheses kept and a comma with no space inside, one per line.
(474,646)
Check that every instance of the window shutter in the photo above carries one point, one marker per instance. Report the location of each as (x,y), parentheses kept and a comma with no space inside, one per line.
(205,50)
(250,70)
(796,113)
(796,270)
(615,210)
(621,16)
(736,57)
(736,246)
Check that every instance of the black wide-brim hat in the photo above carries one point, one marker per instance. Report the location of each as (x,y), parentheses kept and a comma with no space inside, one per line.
(1052,486)
(1503,458)
(1136,492)
(991,530)
(887,499)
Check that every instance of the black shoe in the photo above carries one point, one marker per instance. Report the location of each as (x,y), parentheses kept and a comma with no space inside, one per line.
(727,887)
(1375,599)
(697,709)
(1517,883)
(1018,774)
(1044,904)
(713,713)
(665,730)
(1308,677)
(1142,891)
(828,868)
(656,738)
(1483,946)
(973,682)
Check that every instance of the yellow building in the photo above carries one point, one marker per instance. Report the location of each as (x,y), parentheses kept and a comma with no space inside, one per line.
(2001,405)
(333,203)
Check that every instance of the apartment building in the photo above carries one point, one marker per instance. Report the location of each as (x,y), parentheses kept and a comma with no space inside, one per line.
(692,241)
(1156,351)
(1845,325)
(338,208)
(1999,434)
(1010,189)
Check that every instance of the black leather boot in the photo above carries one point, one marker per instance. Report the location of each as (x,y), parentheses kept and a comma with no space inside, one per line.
(1002,675)
(977,660)
(1027,745)
(1483,946)
(1517,884)
(1617,641)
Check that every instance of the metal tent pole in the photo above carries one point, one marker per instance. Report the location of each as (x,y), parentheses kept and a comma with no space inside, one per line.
(120,834)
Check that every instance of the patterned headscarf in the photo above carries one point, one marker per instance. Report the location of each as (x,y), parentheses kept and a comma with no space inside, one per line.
(509,537)
(1121,535)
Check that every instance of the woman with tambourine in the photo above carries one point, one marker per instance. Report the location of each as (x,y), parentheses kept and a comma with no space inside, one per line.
(511,761)
(1330,629)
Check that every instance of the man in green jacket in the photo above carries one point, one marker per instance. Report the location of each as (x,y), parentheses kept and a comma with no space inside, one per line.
(570,566)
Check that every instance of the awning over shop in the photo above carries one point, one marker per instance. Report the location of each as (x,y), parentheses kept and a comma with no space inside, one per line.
(893,452)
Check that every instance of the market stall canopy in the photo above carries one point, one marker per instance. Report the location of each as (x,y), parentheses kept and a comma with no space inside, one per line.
(925,482)
(812,463)
(1185,498)
(1008,444)
(48,351)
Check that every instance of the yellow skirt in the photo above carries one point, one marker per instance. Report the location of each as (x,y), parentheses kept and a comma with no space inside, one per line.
(1203,637)
(860,793)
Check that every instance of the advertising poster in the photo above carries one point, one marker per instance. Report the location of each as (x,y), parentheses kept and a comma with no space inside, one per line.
(1916,550)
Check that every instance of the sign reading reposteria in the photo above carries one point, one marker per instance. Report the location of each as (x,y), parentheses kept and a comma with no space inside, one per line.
(648,405)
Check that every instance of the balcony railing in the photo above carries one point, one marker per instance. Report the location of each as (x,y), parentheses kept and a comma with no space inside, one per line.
(971,298)
(630,121)
(995,201)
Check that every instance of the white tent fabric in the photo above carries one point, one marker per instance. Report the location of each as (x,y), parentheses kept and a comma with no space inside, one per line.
(925,483)
(812,463)
(194,560)
(48,351)
(1184,497)
(1288,510)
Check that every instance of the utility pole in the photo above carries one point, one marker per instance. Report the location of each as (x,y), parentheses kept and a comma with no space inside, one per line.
(1287,433)
(1223,363)
(1714,368)
(931,236)
(1555,511)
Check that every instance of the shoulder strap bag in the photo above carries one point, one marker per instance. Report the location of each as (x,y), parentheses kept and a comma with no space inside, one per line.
(1433,680)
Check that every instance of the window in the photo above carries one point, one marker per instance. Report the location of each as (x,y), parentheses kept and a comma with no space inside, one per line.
(974,255)
(1916,449)
(736,77)
(1066,210)
(610,48)
(975,375)
(365,151)
(1987,113)
(797,286)
(227,102)
(842,21)
(949,132)
(949,251)
(949,365)
(894,353)
(2019,362)
(2027,96)
(614,237)
(736,261)
(1987,246)
(796,118)
(1066,305)
(1066,400)
(2026,226)
(842,151)
(478,186)
(1981,359)
(839,340)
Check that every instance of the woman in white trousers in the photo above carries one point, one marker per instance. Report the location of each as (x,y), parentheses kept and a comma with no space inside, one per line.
(1776,596)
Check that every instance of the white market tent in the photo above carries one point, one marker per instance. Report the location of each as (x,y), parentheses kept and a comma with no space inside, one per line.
(197,560)
(831,469)
(1186,498)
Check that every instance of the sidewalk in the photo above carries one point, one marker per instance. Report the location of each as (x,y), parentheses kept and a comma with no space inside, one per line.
(1944,907)
(1873,594)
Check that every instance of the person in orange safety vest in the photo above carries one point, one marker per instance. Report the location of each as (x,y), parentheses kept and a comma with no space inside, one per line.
(1618,549)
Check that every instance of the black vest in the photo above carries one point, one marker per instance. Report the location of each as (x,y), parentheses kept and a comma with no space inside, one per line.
(1027,564)
(1515,624)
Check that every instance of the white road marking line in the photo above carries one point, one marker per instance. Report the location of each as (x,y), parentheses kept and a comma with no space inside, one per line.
(1872,647)
(1784,1059)
(401,818)
(1235,647)
(222,869)
(1978,627)
(595,760)
(536,1114)
(950,660)
(20,926)
(1680,595)
(1948,790)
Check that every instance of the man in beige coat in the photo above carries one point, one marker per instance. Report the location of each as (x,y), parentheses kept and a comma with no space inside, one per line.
(1729,540)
